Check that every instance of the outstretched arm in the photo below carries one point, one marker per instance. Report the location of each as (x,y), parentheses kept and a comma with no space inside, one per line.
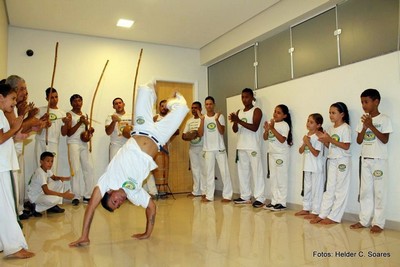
(151,218)
(87,219)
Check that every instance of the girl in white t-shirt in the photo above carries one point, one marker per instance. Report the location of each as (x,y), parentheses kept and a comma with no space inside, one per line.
(337,139)
(313,171)
(278,132)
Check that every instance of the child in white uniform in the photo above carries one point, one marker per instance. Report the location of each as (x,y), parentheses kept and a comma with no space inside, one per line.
(45,189)
(338,139)
(373,133)
(278,132)
(313,167)
(12,240)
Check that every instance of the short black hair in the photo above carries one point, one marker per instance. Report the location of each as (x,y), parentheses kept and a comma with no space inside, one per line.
(6,89)
(210,98)
(371,93)
(75,96)
(53,90)
(197,103)
(104,202)
(46,154)
(117,98)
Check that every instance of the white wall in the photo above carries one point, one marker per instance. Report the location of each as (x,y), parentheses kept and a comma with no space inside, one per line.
(80,62)
(315,93)
(3,40)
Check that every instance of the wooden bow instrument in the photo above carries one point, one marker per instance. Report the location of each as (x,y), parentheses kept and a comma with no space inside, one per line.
(88,133)
(126,132)
(51,91)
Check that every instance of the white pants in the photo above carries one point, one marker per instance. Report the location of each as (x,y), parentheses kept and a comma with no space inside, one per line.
(279,172)
(19,181)
(373,192)
(222,160)
(250,165)
(11,237)
(197,166)
(313,191)
(113,150)
(165,128)
(40,147)
(82,166)
(150,185)
(44,202)
(337,189)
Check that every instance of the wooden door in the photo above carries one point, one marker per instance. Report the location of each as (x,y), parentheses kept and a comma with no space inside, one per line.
(180,178)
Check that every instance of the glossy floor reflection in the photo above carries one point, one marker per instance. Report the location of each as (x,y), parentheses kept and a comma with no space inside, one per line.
(191,233)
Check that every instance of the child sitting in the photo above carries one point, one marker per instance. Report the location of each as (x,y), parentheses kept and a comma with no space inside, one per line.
(46,190)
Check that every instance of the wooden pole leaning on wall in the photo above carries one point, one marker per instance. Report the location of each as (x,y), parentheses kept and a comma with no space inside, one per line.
(126,132)
(51,91)
(87,135)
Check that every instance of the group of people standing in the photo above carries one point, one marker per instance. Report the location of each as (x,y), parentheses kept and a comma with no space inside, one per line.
(326,158)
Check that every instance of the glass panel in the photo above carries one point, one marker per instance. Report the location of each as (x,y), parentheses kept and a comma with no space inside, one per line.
(274,60)
(315,46)
(369,28)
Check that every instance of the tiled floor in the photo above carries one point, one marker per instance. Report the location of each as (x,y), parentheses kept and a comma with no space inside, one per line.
(191,233)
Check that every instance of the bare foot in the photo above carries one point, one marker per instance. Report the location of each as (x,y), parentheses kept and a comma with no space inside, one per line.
(205,200)
(22,254)
(224,200)
(376,229)
(190,195)
(302,212)
(327,221)
(310,216)
(357,226)
(316,220)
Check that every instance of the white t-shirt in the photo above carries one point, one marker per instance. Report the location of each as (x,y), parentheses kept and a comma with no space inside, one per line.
(372,147)
(127,170)
(341,134)
(247,139)
(54,131)
(274,146)
(76,137)
(193,124)
(116,136)
(38,179)
(311,162)
(8,155)
(213,140)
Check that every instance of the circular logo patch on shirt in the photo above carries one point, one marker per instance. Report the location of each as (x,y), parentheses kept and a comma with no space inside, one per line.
(270,135)
(244,119)
(369,136)
(129,185)
(342,167)
(279,162)
(254,153)
(140,120)
(335,137)
(378,173)
(52,116)
(211,126)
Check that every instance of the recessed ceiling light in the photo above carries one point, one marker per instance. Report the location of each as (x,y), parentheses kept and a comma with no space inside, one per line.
(126,23)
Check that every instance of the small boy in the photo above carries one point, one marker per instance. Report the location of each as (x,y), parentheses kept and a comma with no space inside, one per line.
(45,190)
(373,135)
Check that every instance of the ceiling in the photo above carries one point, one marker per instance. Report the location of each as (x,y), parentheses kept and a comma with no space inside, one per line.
(182,23)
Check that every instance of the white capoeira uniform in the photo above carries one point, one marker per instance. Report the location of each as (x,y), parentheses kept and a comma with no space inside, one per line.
(279,164)
(19,173)
(117,140)
(81,161)
(314,176)
(36,194)
(249,162)
(54,133)
(196,156)
(338,179)
(12,239)
(214,149)
(130,166)
(374,179)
